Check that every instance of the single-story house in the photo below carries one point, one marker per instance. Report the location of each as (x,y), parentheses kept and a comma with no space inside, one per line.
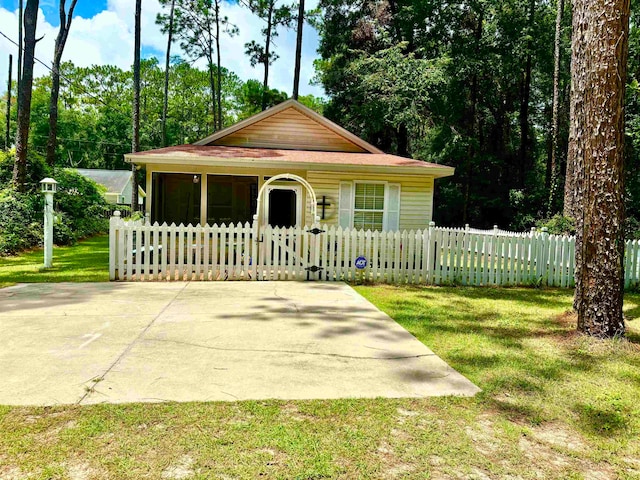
(293,164)
(118,184)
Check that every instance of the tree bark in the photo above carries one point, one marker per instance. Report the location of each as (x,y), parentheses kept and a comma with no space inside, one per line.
(20,43)
(267,51)
(599,71)
(167,66)
(524,103)
(61,40)
(555,115)
(219,72)
(135,138)
(7,138)
(296,73)
(24,95)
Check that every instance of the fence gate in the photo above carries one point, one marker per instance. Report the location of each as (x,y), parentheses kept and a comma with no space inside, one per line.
(289,254)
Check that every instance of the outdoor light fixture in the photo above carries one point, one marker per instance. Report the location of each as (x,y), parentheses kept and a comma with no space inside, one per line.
(196,179)
(48,187)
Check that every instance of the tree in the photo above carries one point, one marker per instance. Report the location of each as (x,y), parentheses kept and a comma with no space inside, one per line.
(599,72)
(166,73)
(274,17)
(296,73)
(555,109)
(61,40)
(135,141)
(24,94)
(198,24)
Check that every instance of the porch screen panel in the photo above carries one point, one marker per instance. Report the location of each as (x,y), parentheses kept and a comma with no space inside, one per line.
(231,199)
(176,198)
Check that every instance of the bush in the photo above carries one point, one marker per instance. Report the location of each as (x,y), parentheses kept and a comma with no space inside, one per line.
(559,225)
(79,206)
(20,222)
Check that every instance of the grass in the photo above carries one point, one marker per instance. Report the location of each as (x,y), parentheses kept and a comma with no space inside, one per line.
(554,404)
(88,261)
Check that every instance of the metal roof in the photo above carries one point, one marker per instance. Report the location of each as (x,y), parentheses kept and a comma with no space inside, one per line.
(114,180)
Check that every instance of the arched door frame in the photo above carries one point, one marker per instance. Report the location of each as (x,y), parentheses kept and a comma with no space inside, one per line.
(288,176)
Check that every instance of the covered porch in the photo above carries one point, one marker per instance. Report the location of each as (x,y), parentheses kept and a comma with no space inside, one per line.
(237,197)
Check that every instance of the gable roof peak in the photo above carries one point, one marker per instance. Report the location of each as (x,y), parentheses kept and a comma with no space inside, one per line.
(337,130)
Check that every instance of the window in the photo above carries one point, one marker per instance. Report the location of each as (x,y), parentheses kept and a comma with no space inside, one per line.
(368,212)
(176,198)
(231,199)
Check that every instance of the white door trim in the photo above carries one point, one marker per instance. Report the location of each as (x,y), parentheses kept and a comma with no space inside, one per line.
(297,189)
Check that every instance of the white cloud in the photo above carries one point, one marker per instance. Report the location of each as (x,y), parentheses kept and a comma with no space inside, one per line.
(107,38)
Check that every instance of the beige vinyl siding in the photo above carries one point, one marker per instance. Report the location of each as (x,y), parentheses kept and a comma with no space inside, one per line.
(291,130)
(416,195)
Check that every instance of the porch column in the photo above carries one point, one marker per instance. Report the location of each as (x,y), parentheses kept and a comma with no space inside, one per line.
(203,198)
(149,192)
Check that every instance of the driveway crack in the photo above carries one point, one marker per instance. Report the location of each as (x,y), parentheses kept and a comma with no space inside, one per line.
(293,352)
(129,347)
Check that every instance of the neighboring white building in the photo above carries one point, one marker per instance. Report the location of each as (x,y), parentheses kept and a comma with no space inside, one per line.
(118,183)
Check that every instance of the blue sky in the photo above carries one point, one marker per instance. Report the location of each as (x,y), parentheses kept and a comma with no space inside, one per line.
(102,32)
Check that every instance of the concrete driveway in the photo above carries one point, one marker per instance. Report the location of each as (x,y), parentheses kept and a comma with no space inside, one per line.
(143,342)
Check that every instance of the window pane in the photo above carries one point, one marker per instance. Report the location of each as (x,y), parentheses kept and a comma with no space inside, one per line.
(360,189)
(379,203)
(359,202)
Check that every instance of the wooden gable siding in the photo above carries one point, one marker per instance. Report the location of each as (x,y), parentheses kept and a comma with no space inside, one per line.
(291,130)
(416,195)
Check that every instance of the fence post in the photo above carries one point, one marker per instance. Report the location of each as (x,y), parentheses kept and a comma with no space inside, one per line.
(254,248)
(544,254)
(431,253)
(114,232)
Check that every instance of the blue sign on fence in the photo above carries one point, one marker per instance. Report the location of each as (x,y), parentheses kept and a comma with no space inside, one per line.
(361,263)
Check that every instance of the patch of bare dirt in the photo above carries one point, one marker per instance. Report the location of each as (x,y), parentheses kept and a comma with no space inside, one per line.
(182,469)
(11,473)
(80,471)
(559,436)
(482,435)
(568,319)
(291,411)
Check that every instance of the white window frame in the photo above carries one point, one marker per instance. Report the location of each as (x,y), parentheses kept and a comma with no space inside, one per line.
(297,189)
(386,201)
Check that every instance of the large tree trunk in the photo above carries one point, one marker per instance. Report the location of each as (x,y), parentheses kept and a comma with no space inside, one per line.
(599,72)
(524,104)
(7,137)
(135,138)
(296,73)
(219,71)
(167,66)
(24,95)
(555,117)
(474,130)
(61,40)
(212,87)
(267,51)
(20,44)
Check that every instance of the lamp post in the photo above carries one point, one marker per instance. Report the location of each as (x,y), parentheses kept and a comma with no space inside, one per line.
(48,188)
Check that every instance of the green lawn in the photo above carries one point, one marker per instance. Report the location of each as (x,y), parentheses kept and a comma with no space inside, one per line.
(554,405)
(86,262)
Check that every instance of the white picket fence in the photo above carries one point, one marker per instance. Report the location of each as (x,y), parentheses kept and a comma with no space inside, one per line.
(434,256)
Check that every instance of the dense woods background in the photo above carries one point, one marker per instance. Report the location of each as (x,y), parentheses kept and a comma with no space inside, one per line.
(467,83)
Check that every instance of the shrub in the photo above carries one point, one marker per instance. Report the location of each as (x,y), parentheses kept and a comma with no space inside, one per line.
(20,222)
(559,225)
(79,207)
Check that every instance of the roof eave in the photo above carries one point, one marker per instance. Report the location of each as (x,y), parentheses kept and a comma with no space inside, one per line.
(439,171)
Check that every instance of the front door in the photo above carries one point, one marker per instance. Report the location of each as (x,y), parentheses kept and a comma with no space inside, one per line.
(283,207)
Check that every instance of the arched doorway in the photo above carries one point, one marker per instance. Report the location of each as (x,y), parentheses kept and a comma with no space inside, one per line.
(284,205)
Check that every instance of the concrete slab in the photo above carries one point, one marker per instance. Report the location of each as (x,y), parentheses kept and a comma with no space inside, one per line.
(142,342)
